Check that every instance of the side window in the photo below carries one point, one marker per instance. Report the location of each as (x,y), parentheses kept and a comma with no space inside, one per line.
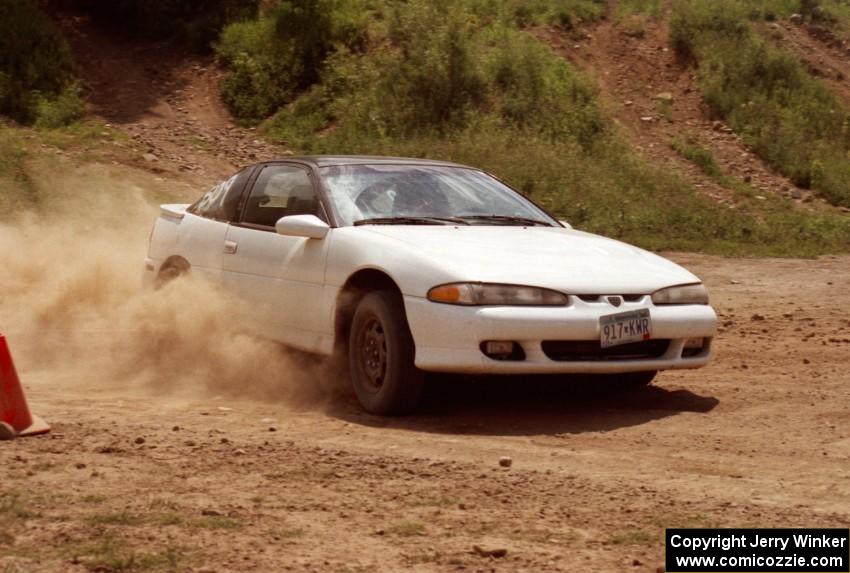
(220,202)
(280,190)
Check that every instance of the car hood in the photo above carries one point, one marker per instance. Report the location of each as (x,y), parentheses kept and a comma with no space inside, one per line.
(557,258)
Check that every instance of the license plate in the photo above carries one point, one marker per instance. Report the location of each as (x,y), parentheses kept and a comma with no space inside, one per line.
(624,327)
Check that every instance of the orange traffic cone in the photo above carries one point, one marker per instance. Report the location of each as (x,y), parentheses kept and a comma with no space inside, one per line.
(15,417)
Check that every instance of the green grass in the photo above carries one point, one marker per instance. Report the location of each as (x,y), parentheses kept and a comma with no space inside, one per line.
(834,14)
(566,14)
(16,187)
(115,555)
(124,518)
(701,157)
(790,119)
(169,518)
(131,519)
(217,522)
(461,81)
(630,8)
(288,532)
(14,507)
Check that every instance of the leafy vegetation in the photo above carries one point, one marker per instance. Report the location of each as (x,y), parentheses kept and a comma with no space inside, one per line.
(826,12)
(699,155)
(461,81)
(195,22)
(629,8)
(274,57)
(36,80)
(788,117)
(566,14)
(464,81)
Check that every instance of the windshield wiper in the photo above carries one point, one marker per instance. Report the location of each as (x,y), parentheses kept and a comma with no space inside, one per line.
(412,221)
(506,219)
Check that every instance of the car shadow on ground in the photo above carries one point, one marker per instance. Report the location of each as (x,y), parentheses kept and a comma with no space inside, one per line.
(531,406)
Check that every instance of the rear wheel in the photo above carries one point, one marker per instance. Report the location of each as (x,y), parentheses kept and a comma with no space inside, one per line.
(381,354)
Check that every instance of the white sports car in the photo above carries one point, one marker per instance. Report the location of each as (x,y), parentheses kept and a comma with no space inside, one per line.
(410,266)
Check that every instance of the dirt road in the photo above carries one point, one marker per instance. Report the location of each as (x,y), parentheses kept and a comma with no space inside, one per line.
(179,444)
(138,478)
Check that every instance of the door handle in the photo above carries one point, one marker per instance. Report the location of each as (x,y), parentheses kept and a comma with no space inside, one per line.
(230,247)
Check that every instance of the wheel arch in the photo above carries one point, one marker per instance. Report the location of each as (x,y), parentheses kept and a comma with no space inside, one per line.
(176,262)
(355,288)
(171,268)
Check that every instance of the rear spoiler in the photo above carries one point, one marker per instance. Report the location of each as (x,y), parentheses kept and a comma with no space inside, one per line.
(174,210)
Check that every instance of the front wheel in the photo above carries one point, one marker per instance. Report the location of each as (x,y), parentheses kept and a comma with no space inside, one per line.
(381,354)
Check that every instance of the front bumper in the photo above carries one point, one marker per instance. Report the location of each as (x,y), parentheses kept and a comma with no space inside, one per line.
(448,337)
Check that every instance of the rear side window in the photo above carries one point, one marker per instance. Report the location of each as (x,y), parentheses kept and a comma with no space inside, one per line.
(222,201)
(280,190)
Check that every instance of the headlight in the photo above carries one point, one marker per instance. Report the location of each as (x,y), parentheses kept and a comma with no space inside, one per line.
(478,294)
(684,294)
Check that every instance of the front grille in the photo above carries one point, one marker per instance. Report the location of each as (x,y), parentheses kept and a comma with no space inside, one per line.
(600,297)
(590,350)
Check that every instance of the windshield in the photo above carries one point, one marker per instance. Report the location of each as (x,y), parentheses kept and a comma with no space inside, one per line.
(425,194)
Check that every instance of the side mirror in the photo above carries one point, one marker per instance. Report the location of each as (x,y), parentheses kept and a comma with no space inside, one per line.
(565,224)
(308,226)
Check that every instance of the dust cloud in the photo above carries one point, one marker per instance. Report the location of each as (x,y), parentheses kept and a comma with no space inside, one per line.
(72,306)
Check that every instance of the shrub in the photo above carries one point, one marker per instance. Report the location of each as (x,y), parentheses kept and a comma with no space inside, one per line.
(700,156)
(258,81)
(695,24)
(198,22)
(273,58)
(306,26)
(64,109)
(440,71)
(535,88)
(35,62)
(435,80)
(566,14)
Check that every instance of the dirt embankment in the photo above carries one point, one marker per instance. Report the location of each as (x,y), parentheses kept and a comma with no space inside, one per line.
(825,54)
(656,98)
(164,99)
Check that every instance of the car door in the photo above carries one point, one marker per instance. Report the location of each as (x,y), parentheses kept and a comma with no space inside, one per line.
(203,230)
(279,277)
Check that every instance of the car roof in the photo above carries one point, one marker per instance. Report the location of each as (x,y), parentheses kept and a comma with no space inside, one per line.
(333,160)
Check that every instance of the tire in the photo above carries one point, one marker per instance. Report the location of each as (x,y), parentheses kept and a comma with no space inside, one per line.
(381,354)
